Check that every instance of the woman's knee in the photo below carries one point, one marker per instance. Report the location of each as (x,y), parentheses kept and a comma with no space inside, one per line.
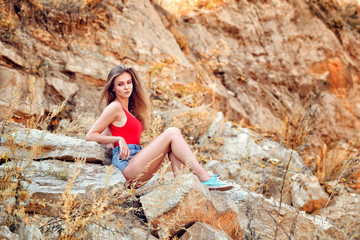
(170,134)
(173,131)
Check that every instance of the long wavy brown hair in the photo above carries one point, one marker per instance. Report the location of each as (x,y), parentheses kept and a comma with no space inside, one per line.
(138,102)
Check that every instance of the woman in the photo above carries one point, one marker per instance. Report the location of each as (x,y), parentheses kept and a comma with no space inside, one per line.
(126,113)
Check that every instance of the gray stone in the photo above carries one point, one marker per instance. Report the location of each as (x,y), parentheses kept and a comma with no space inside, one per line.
(93,65)
(251,159)
(49,179)
(344,211)
(91,177)
(36,144)
(240,144)
(172,206)
(157,202)
(257,215)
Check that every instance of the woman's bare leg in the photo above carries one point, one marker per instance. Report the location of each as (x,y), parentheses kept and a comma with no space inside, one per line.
(151,157)
(176,165)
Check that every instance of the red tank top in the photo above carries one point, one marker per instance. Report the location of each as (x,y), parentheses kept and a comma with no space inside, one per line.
(131,131)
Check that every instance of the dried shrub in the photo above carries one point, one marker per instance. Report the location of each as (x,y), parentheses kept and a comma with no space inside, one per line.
(164,89)
(193,123)
(61,19)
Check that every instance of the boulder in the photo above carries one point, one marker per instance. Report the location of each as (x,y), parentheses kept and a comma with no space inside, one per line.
(93,66)
(36,144)
(48,179)
(258,216)
(256,161)
(172,206)
(242,143)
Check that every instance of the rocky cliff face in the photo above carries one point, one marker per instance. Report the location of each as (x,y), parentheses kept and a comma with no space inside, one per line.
(285,69)
(278,61)
(268,63)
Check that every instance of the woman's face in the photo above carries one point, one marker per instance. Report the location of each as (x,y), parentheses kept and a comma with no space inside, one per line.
(123,85)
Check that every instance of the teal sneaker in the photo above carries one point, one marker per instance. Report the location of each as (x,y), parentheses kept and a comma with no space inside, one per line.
(216,184)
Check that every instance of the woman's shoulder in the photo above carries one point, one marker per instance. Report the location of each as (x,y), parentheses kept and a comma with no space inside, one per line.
(114,104)
(114,107)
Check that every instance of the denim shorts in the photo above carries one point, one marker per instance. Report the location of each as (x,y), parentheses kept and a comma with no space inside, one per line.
(122,163)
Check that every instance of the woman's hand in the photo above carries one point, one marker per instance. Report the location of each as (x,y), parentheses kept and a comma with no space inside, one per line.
(124,149)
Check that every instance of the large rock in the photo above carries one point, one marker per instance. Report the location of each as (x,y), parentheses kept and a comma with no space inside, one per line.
(11,55)
(172,206)
(48,179)
(256,161)
(258,217)
(270,160)
(36,144)
(241,143)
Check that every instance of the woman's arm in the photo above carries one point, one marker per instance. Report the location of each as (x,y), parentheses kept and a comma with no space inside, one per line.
(107,132)
(108,116)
